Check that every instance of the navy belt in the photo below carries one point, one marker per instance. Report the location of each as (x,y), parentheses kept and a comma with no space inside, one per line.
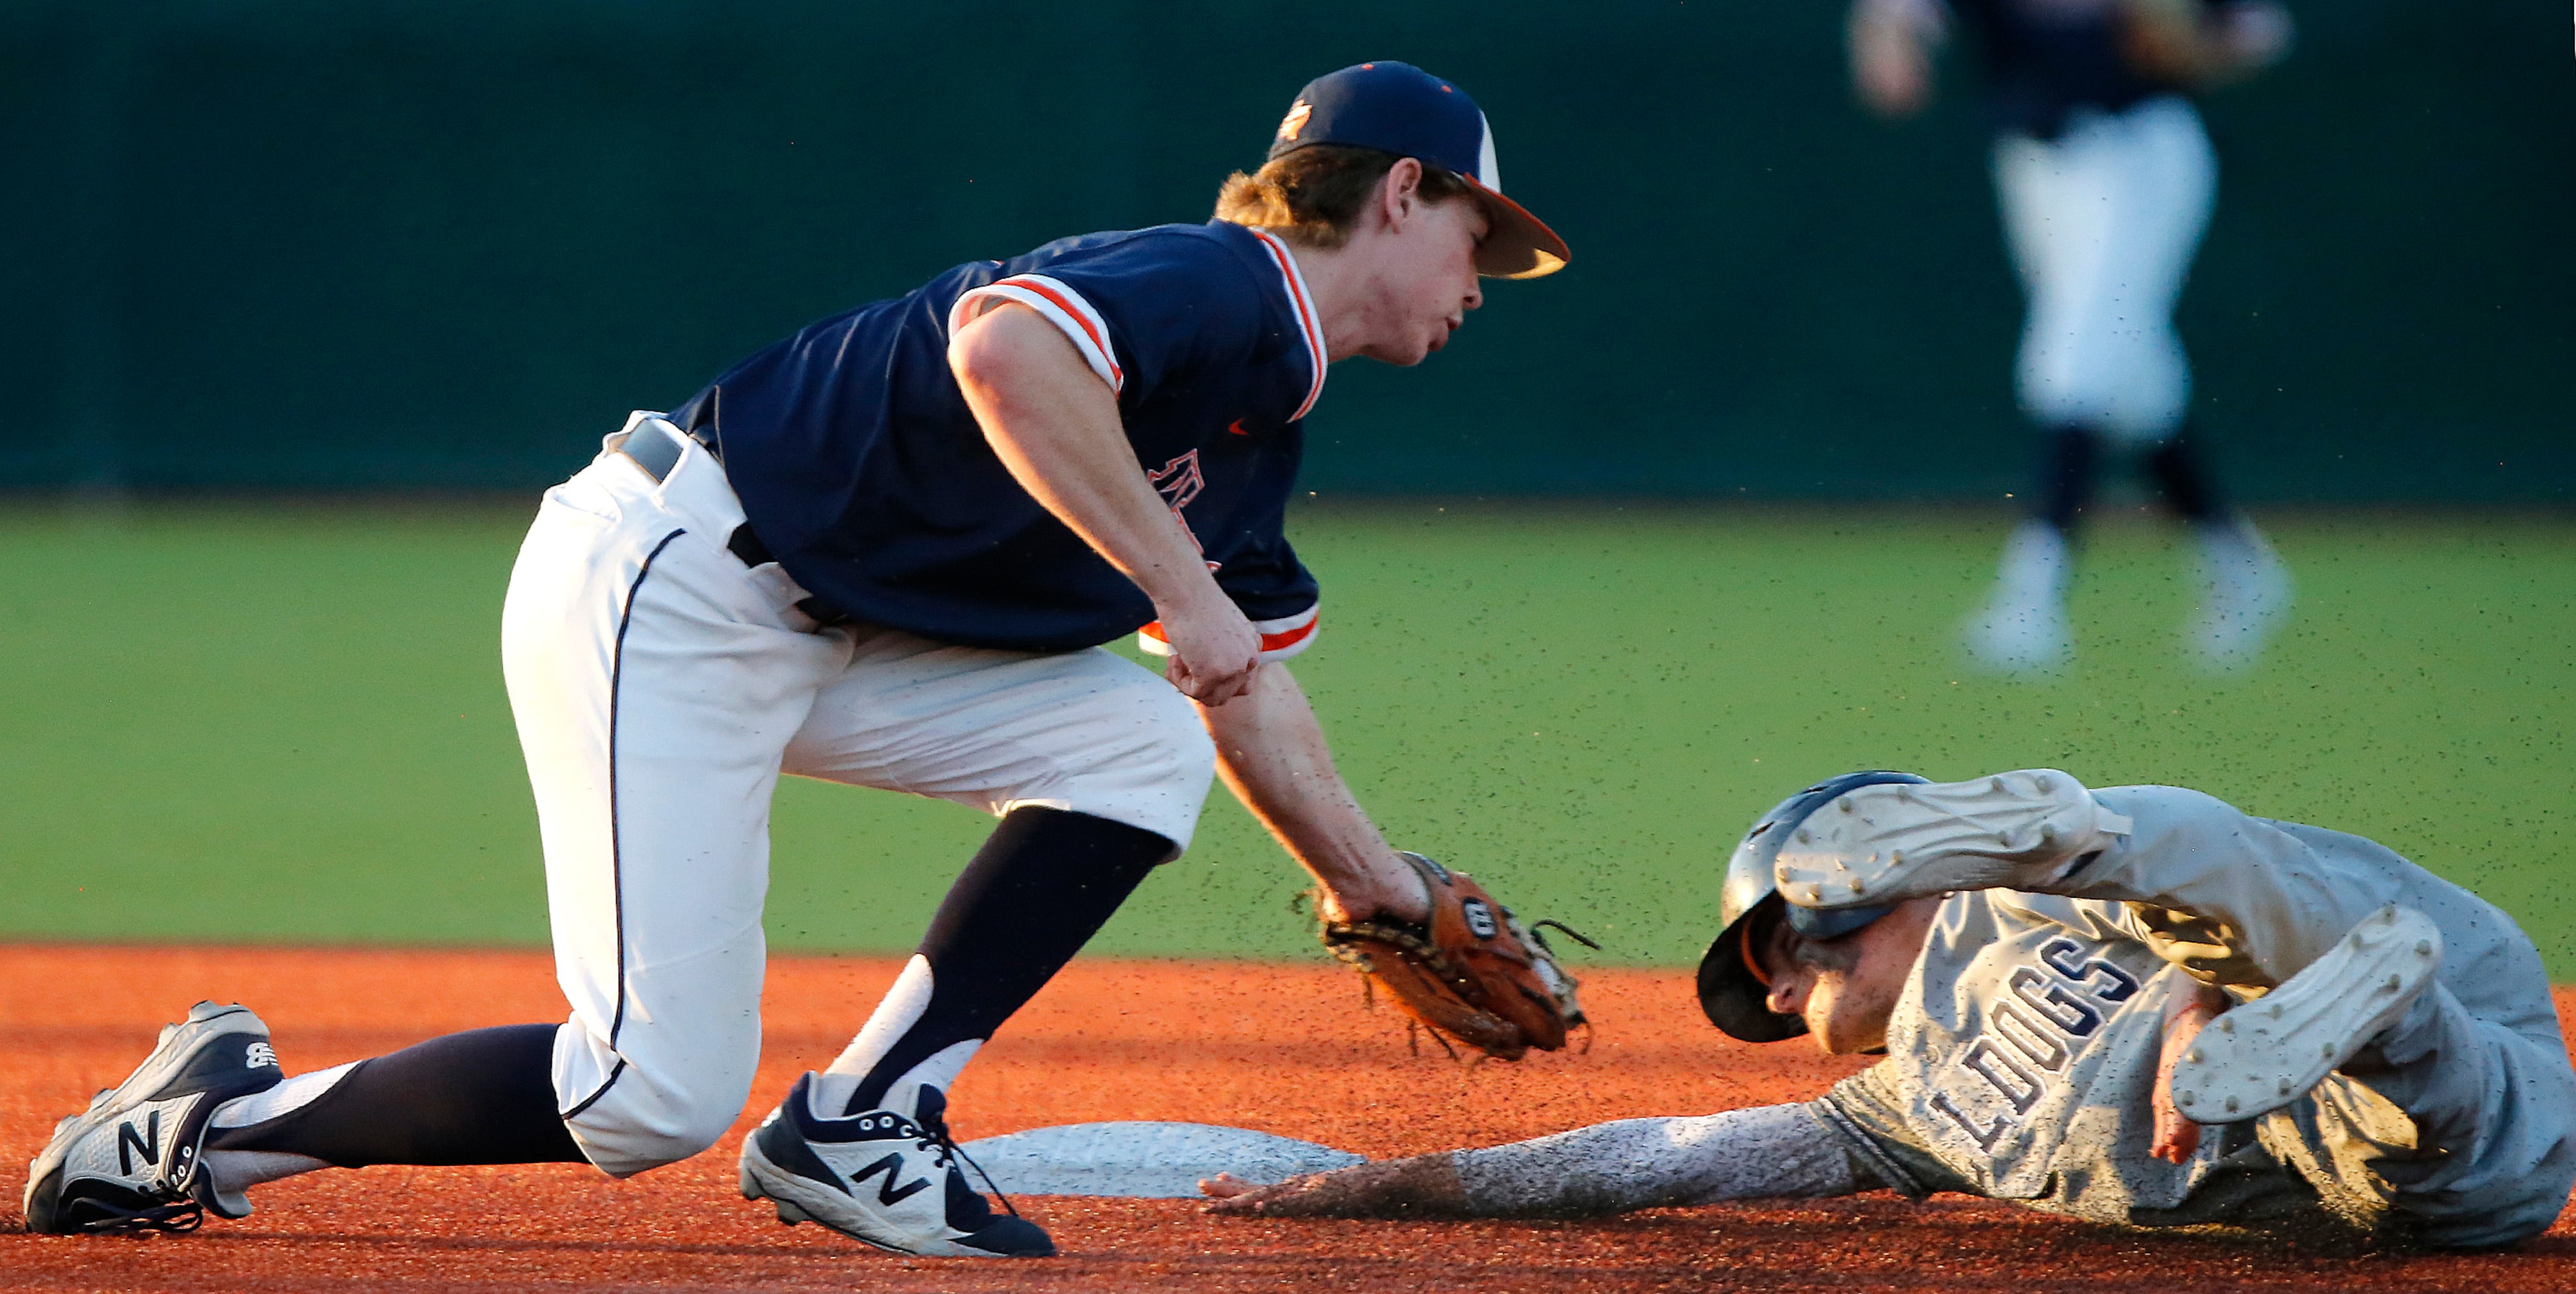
(655,447)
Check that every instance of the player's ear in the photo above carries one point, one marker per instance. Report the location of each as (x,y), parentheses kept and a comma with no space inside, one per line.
(1401,196)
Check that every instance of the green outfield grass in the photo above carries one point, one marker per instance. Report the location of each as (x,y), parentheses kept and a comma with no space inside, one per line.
(285,722)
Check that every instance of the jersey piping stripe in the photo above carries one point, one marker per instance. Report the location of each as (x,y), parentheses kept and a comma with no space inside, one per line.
(1058,304)
(1308,321)
(616,843)
(1280,639)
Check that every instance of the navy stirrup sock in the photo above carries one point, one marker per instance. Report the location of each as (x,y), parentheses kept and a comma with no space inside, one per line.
(2185,479)
(2069,459)
(1042,885)
(485,1096)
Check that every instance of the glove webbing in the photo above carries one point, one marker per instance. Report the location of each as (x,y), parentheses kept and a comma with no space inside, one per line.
(1412,939)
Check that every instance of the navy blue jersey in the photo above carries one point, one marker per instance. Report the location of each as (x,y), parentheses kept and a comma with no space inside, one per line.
(2046,58)
(862,470)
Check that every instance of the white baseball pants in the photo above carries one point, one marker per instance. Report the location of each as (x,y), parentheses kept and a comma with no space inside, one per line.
(2103,222)
(661,687)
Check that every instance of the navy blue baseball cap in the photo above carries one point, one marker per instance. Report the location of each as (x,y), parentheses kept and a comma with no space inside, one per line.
(1399,108)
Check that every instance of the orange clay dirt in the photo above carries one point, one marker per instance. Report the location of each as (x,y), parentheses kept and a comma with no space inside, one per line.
(1283,1049)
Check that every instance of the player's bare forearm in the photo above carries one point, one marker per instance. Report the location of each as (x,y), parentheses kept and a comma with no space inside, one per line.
(2191,44)
(1772,1151)
(1055,425)
(1891,43)
(1271,751)
(1424,1186)
(2191,1007)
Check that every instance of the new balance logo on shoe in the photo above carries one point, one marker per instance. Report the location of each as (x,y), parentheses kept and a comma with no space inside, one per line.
(155,1122)
(887,1192)
(146,1143)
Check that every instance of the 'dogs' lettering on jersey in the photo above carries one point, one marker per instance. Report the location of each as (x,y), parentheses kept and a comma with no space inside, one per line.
(2034,1030)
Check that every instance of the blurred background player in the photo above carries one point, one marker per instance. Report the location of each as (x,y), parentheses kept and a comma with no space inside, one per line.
(2106,179)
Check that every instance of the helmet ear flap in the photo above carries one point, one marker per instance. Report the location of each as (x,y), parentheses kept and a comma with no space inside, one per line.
(1733,993)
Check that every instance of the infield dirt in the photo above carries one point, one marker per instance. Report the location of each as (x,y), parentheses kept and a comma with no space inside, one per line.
(1285,1049)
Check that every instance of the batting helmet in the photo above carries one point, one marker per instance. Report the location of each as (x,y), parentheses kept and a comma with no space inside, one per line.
(1734,990)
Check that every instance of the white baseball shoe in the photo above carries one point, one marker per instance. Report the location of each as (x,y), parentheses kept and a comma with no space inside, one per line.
(879,1178)
(2022,630)
(2246,598)
(130,1161)
(2271,1051)
(1878,844)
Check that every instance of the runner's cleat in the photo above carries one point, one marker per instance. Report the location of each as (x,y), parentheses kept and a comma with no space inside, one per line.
(1878,844)
(2275,1049)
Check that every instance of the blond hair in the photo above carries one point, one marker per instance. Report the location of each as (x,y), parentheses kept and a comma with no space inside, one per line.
(1313,196)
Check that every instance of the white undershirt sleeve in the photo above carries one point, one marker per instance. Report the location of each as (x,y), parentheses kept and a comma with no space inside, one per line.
(1768,1151)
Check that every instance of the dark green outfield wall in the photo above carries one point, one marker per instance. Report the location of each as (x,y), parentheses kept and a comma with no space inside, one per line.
(367,243)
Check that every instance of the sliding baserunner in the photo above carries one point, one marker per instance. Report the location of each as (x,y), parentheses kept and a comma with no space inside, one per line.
(2037,960)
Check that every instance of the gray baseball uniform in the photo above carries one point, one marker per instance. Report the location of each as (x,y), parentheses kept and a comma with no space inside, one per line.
(2022,1060)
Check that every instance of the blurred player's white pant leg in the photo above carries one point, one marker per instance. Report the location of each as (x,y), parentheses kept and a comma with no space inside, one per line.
(655,682)
(2103,223)
(2465,1119)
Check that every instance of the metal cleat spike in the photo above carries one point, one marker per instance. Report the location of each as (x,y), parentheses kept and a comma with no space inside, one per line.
(2045,784)
(2281,1087)
(2231,1105)
(2184,1098)
(1856,886)
(2194,1057)
(2226,1024)
(2423,947)
(1846,805)
(1997,785)
(2325,1050)
(2273,1010)
(2394,982)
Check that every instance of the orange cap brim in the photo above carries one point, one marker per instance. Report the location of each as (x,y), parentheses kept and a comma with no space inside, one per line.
(1517,244)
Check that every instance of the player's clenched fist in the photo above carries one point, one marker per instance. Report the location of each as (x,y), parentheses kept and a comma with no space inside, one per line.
(1215,649)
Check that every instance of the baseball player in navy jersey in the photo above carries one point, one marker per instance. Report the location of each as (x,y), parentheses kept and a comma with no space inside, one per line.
(885,552)
(2135,1005)
(2106,180)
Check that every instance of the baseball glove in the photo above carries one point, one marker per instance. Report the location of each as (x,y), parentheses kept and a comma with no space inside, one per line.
(1473,972)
